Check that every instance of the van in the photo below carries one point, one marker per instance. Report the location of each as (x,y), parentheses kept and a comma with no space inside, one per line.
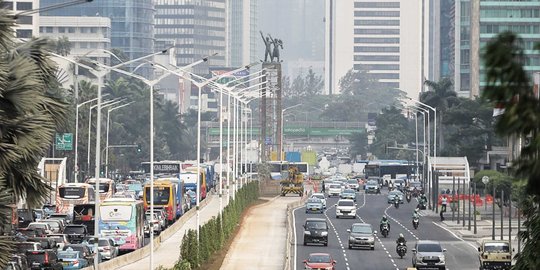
(316,231)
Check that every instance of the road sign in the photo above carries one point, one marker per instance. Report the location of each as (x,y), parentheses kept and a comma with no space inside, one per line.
(268,141)
(64,141)
(485,179)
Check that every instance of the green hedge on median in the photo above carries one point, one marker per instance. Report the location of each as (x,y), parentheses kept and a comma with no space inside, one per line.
(216,231)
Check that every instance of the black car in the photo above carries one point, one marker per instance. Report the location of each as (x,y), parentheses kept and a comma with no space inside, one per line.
(46,242)
(83,249)
(43,259)
(316,231)
(76,233)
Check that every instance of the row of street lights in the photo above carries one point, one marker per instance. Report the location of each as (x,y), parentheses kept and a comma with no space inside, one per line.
(103,70)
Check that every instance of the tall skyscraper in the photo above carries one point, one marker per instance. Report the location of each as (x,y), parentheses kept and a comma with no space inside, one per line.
(132,22)
(383,38)
(495,17)
(197,27)
(243,33)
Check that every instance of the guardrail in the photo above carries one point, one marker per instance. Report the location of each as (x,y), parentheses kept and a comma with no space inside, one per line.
(289,261)
(139,254)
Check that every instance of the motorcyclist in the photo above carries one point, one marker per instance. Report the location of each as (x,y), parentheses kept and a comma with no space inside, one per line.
(401,239)
(384,221)
(415,214)
(396,198)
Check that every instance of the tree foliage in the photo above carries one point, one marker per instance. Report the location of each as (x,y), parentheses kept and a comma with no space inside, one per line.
(303,85)
(361,93)
(30,113)
(393,129)
(508,86)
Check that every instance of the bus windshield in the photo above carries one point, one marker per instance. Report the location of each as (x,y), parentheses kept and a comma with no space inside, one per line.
(161,195)
(71,192)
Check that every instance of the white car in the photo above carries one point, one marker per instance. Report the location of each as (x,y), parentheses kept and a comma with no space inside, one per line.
(40,225)
(346,208)
(321,197)
(334,190)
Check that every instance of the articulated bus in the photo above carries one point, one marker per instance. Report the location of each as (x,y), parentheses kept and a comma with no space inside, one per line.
(169,195)
(107,187)
(202,180)
(123,220)
(70,194)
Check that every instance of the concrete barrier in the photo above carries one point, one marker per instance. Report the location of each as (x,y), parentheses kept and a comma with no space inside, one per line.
(139,254)
(289,261)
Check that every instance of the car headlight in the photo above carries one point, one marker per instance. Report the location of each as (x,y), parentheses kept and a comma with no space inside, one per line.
(441,259)
(307,232)
(371,239)
(351,238)
(329,268)
(324,233)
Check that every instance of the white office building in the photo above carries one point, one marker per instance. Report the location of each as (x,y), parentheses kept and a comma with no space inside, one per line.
(383,37)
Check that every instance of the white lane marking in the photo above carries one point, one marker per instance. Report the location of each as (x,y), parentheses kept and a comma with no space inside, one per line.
(337,235)
(399,223)
(377,237)
(294,233)
(457,237)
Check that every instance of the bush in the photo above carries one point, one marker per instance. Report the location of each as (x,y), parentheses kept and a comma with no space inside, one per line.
(218,230)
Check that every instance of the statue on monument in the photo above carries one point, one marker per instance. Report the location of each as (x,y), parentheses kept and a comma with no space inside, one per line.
(269,52)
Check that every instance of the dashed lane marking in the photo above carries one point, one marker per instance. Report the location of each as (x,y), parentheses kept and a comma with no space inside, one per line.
(378,239)
(337,235)
(399,223)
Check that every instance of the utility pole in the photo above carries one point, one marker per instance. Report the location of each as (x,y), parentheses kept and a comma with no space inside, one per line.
(453,196)
(502,213)
(458,208)
(474,206)
(493,215)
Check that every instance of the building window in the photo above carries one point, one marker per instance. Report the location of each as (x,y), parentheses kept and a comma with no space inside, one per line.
(376,13)
(376,31)
(24,20)
(61,30)
(7,5)
(24,5)
(381,67)
(385,76)
(71,30)
(377,58)
(375,49)
(24,33)
(377,22)
(376,40)
(376,4)
(85,30)
(93,30)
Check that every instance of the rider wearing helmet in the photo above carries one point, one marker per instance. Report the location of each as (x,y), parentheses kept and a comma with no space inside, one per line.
(415,213)
(401,239)
(384,221)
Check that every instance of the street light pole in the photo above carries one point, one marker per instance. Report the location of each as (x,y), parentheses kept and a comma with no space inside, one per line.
(76,163)
(105,104)
(107,136)
(283,131)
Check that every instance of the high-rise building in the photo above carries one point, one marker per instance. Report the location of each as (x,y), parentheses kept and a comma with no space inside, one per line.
(381,37)
(242,32)
(132,22)
(86,34)
(440,36)
(520,17)
(198,28)
(27,25)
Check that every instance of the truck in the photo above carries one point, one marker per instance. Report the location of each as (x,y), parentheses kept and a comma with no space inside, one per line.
(495,254)
(293,183)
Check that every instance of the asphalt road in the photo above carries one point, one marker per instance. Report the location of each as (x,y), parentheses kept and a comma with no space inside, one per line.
(370,209)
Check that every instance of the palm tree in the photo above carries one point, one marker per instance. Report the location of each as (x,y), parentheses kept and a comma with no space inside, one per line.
(509,85)
(63,46)
(441,96)
(29,117)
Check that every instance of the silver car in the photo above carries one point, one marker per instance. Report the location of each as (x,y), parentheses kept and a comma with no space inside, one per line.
(361,235)
(314,205)
(428,254)
(393,194)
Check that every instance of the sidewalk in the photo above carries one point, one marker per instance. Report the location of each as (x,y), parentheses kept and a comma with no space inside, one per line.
(264,231)
(169,251)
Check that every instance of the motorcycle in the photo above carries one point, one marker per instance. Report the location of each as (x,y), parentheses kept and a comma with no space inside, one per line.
(384,230)
(396,204)
(415,222)
(401,249)
(408,197)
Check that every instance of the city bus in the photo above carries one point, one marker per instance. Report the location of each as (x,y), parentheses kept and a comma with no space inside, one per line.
(122,219)
(168,194)
(202,180)
(107,187)
(388,169)
(70,194)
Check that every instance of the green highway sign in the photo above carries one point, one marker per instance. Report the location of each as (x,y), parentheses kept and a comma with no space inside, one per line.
(64,141)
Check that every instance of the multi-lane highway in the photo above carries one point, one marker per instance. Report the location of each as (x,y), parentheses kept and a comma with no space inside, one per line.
(370,209)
